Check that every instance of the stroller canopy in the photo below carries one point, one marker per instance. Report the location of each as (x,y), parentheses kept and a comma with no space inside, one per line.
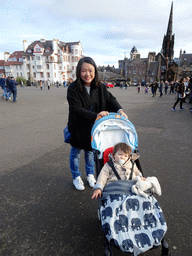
(110,130)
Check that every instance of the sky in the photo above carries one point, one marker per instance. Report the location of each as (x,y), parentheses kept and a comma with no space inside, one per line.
(107,29)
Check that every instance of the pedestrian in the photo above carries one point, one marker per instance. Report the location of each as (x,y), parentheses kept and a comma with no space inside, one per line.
(48,84)
(180,95)
(13,87)
(152,85)
(7,81)
(88,99)
(166,86)
(139,87)
(155,87)
(161,85)
(41,85)
(4,88)
(172,85)
(21,83)
(146,88)
(64,83)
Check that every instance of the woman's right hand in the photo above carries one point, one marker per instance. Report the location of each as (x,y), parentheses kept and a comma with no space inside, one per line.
(103,113)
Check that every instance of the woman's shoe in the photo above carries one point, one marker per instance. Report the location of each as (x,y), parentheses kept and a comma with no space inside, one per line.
(78,183)
(91,180)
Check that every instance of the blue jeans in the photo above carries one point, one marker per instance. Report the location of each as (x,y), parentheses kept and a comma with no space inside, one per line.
(8,94)
(74,162)
(14,94)
(5,92)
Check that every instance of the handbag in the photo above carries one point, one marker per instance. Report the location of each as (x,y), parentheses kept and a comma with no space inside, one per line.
(67,135)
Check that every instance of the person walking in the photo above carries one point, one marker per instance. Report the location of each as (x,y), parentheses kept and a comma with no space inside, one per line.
(13,87)
(4,88)
(41,84)
(180,95)
(161,88)
(48,84)
(88,99)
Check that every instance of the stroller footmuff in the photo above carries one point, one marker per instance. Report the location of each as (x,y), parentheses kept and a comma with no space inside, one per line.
(130,222)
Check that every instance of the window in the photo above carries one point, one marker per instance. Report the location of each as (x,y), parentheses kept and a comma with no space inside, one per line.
(34,74)
(76,59)
(39,66)
(54,66)
(28,58)
(47,66)
(41,74)
(48,75)
(33,67)
(76,51)
(20,74)
(37,57)
(55,75)
(72,67)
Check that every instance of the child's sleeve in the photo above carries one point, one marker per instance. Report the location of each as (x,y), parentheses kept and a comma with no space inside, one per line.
(102,178)
(136,171)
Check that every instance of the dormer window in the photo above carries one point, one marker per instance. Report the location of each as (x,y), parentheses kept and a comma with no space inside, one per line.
(29,51)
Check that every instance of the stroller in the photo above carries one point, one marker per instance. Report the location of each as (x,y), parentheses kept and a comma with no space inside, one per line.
(132,223)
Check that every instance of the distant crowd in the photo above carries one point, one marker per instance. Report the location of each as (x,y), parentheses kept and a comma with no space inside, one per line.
(182,89)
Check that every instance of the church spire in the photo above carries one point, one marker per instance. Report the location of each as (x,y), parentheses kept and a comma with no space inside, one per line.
(168,41)
(170,24)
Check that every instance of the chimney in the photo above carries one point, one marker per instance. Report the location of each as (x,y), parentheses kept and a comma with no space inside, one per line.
(6,56)
(25,45)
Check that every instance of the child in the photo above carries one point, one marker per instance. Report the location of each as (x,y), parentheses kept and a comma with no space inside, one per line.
(121,157)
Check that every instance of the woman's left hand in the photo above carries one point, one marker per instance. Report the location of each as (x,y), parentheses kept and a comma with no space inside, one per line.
(122,113)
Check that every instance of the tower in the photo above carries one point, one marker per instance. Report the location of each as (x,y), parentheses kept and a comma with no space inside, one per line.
(168,41)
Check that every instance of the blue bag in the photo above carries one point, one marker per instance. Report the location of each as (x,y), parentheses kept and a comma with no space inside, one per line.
(67,135)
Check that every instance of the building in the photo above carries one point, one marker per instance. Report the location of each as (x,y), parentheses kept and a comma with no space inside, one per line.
(13,64)
(51,59)
(44,59)
(155,67)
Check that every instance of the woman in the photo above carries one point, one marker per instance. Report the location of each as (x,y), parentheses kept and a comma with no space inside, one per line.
(180,95)
(88,99)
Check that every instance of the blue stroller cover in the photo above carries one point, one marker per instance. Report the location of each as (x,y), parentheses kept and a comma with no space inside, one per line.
(110,130)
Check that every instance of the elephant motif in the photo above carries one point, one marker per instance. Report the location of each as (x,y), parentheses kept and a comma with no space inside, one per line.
(106,229)
(118,210)
(104,202)
(161,218)
(132,204)
(121,224)
(107,212)
(135,224)
(158,235)
(150,221)
(142,239)
(116,197)
(114,242)
(146,206)
(127,244)
(156,205)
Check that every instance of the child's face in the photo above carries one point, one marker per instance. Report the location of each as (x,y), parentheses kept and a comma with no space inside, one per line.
(121,155)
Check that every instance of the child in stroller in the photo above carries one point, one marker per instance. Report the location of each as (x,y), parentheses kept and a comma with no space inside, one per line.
(129,221)
(122,160)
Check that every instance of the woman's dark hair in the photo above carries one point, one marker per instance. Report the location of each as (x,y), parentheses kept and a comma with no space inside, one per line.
(89,60)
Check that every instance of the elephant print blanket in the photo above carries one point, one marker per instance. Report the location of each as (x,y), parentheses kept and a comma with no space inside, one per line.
(130,222)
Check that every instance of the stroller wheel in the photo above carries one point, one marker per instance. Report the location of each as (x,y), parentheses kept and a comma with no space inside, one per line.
(165,248)
(108,251)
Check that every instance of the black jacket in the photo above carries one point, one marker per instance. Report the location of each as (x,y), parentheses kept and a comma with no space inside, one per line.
(83,110)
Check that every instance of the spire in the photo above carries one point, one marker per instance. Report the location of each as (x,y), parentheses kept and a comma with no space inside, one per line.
(170,24)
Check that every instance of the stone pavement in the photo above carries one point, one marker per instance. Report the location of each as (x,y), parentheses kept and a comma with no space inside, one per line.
(41,213)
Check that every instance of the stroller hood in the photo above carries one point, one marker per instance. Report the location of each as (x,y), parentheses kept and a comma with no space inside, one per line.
(110,130)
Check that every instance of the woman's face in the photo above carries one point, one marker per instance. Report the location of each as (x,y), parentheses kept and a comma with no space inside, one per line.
(87,73)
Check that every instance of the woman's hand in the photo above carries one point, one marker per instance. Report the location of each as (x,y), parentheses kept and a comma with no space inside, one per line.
(96,193)
(122,113)
(103,113)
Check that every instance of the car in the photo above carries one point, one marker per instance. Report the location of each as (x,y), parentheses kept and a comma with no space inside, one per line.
(109,85)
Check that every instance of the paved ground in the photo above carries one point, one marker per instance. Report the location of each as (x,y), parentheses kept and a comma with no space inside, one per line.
(41,214)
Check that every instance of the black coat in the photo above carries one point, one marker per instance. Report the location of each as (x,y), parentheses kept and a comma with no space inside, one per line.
(83,110)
